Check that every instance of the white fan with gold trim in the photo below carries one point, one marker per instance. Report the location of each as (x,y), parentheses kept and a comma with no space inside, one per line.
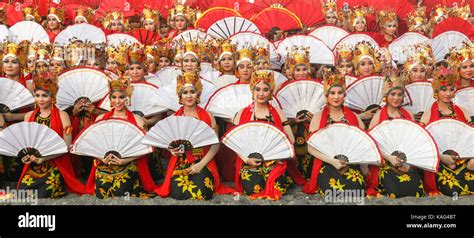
(259,140)
(346,142)
(409,141)
(113,136)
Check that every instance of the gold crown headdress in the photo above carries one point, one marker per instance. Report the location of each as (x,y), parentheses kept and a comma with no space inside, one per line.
(263,52)
(246,53)
(297,56)
(42,55)
(84,13)
(119,54)
(11,50)
(180,10)
(417,19)
(463,12)
(226,48)
(358,14)
(122,84)
(439,11)
(30,12)
(136,54)
(419,56)
(150,15)
(56,12)
(265,76)
(443,77)
(58,53)
(329,6)
(364,50)
(165,50)
(111,17)
(46,82)
(384,17)
(191,48)
(390,83)
(152,52)
(344,52)
(457,57)
(189,79)
(332,81)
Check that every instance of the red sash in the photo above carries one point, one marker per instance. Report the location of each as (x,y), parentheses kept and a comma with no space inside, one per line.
(220,188)
(312,185)
(62,162)
(142,163)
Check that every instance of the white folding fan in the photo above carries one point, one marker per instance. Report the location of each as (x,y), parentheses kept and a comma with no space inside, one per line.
(84,32)
(279,78)
(119,38)
(81,83)
(167,97)
(31,138)
(28,31)
(445,42)
(349,79)
(259,140)
(208,72)
(242,39)
(114,136)
(301,96)
(400,47)
(177,131)
(409,141)
(465,99)
(191,35)
(453,135)
(421,95)
(13,96)
(224,80)
(229,100)
(166,76)
(143,101)
(4,33)
(364,93)
(345,142)
(330,35)
(229,26)
(352,39)
(319,53)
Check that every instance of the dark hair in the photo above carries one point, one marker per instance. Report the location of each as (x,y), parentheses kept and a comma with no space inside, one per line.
(271,34)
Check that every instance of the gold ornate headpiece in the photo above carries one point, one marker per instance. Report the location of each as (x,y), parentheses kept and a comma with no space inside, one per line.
(189,79)
(56,12)
(297,56)
(332,81)
(443,77)
(265,76)
(122,84)
(364,50)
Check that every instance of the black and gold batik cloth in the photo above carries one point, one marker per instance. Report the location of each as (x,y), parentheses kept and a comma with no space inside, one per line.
(396,184)
(118,181)
(455,182)
(304,161)
(44,177)
(254,179)
(199,186)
